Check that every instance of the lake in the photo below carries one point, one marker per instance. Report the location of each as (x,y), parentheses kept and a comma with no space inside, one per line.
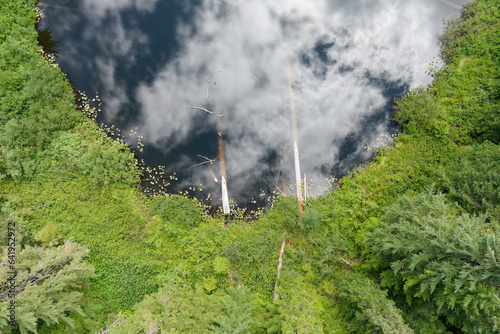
(164,70)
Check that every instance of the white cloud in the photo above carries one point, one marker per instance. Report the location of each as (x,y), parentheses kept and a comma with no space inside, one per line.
(343,53)
(243,46)
(100,8)
(108,43)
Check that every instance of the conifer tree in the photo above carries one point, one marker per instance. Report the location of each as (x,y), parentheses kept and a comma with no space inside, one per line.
(47,284)
(176,308)
(426,250)
(238,318)
(367,306)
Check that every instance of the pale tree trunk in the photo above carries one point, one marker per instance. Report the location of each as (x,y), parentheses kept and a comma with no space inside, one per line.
(225,196)
(280,264)
(295,140)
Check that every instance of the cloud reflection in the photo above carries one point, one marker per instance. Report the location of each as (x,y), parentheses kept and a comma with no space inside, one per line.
(232,57)
(342,53)
(100,8)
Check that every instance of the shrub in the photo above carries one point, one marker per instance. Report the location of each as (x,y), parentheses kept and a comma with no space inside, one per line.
(177,210)
(418,113)
(47,284)
(237,317)
(285,214)
(473,178)
(311,218)
(367,306)
(175,308)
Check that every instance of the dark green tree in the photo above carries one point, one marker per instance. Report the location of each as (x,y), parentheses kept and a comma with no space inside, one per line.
(367,307)
(47,284)
(427,251)
(175,308)
(238,312)
(472,179)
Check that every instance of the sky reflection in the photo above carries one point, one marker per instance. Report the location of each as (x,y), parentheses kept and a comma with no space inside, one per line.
(152,61)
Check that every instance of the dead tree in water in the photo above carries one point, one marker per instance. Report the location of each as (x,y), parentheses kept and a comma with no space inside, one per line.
(222,164)
(295,140)
(225,196)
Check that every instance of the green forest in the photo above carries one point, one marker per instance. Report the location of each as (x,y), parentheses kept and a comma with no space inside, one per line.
(408,244)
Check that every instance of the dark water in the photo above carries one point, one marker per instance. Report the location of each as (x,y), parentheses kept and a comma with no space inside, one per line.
(151,62)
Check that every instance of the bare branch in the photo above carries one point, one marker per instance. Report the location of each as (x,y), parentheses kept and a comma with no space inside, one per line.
(203,109)
(36,278)
(211,161)
(202,163)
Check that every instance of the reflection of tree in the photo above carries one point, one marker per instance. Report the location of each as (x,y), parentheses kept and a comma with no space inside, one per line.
(42,4)
(46,41)
(273,175)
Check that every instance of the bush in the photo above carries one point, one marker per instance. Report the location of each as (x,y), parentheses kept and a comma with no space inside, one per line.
(418,112)
(310,220)
(237,317)
(473,178)
(300,306)
(221,265)
(177,209)
(175,308)
(47,286)
(285,214)
(367,308)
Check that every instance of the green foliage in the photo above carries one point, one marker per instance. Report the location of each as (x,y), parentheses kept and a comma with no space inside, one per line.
(109,162)
(48,235)
(68,146)
(285,214)
(255,255)
(468,88)
(175,308)
(12,216)
(71,180)
(209,284)
(427,252)
(422,317)
(367,307)
(47,285)
(418,112)
(310,220)
(466,34)
(238,307)
(177,210)
(473,179)
(271,321)
(328,253)
(103,159)
(221,265)
(354,208)
(30,114)
(106,220)
(462,103)
(300,307)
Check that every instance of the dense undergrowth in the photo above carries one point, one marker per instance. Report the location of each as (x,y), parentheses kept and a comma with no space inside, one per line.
(409,244)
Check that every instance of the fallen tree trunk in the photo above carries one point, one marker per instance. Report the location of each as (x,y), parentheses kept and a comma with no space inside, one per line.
(280,264)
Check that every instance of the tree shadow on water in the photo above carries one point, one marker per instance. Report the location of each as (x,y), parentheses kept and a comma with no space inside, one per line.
(46,41)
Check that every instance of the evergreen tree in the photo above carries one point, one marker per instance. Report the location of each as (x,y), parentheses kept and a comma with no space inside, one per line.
(427,251)
(238,318)
(176,308)
(367,307)
(46,286)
